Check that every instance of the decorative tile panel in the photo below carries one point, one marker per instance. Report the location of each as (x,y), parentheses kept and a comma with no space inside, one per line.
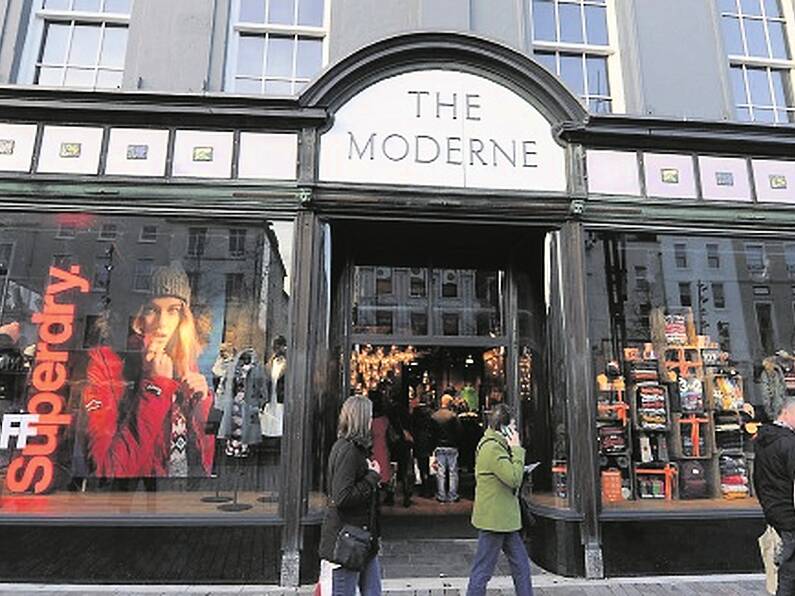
(268,156)
(669,176)
(70,150)
(137,152)
(613,172)
(16,147)
(203,154)
(774,180)
(724,178)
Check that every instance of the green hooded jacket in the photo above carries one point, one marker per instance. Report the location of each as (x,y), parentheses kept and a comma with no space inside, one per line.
(498,474)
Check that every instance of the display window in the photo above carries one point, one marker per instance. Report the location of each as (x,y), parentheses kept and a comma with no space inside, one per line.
(142,364)
(692,340)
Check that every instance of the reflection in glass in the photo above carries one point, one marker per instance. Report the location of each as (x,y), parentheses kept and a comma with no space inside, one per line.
(162,334)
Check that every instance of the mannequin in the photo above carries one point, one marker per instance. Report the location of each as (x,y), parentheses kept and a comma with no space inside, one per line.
(272,416)
(239,401)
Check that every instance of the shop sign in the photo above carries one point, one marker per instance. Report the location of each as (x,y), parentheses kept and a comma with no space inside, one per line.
(442,128)
(34,468)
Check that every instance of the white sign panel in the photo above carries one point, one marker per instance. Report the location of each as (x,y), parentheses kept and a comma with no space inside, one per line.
(442,128)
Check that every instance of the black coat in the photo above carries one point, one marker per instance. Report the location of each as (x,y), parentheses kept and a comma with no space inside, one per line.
(352,486)
(774,474)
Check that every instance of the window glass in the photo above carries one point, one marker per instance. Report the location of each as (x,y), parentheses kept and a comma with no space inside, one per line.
(755,38)
(250,55)
(678,385)
(309,58)
(546,59)
(596,24)
(597,76)
(570,23)
(109,79)
(57,4)
(778,44)
(56,40)
(174,379)
(751,7)
(87,5)
(544,20)
(84,46)
(772,8)
(571,71)
(252,11)
(732,37)
(281,12)
(114,44)
(118,6)
(310,13)
(79,77)
(280,56)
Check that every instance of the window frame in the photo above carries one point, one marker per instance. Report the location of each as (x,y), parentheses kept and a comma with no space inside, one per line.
(769,64)
(238,29)
(37,24)
(611,52)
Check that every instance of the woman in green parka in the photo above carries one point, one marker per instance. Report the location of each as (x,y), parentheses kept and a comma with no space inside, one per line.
(499,468)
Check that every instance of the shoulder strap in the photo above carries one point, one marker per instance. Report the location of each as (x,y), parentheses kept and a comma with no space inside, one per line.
(490,440)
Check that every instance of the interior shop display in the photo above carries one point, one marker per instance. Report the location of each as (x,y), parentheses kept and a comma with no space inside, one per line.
(272,414)
(239,401)
(681,432)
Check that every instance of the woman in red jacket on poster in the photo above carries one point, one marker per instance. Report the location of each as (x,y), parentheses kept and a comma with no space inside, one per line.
(146,415)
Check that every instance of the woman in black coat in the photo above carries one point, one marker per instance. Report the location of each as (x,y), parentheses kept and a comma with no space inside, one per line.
(352,490)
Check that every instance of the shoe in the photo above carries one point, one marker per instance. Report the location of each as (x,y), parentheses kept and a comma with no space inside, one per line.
(407,502)
(456,500)
(438,500)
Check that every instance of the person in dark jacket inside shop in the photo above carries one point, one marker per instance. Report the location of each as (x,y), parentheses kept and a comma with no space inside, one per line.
(447,436)
(352,489)
(422,430)
(499,470)
(774,480)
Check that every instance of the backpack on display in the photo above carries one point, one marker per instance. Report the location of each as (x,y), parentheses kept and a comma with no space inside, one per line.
(692,480)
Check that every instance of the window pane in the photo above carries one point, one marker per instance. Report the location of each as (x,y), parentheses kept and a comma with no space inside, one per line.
(309,59)
(109,79)
(743,114)
(87,5)
(79,77)
(759,86)
(772,8)
(751,7)
(547,60)
(738,84)
(114,45)
(146,297)
(596,25)
(731,35)
(572,74)
(544,20)
(755,37)
(597,76)
(252,11)
(600,106)
(248,86)
(55,42)
(764,115)
(779,87)
(119,6)
(728,6)
(85,43)
(570,23)
(278,88)
(310,12)
(778,39)
(279,61)
(49,77)
(250,54)
(281,12)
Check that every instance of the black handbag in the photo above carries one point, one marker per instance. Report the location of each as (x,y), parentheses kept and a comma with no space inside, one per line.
(354,544)
(213,421)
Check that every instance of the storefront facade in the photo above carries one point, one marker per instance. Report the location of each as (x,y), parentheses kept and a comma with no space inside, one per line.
(436,210)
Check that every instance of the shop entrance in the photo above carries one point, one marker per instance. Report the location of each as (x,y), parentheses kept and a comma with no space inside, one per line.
(439,324)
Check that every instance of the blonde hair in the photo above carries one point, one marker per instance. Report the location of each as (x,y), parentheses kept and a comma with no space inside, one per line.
(355,419)
(184,346)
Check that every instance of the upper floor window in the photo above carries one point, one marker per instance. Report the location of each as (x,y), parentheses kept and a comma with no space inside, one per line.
(571,38)
(277,46)
(77,43)
(755,37)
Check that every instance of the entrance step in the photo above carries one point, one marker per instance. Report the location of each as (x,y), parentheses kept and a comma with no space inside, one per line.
(429,558)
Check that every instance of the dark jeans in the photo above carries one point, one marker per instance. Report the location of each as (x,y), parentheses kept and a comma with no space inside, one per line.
(489,546)
(344,581)
(786,568)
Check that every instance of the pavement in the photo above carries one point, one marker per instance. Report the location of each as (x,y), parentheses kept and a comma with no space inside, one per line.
(544,585)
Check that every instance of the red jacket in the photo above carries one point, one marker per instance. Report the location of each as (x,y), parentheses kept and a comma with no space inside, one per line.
(116,449)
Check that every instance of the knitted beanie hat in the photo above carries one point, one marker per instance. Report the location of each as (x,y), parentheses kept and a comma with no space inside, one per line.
(171,281)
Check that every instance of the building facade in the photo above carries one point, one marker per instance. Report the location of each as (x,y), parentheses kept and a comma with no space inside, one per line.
(582,208)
